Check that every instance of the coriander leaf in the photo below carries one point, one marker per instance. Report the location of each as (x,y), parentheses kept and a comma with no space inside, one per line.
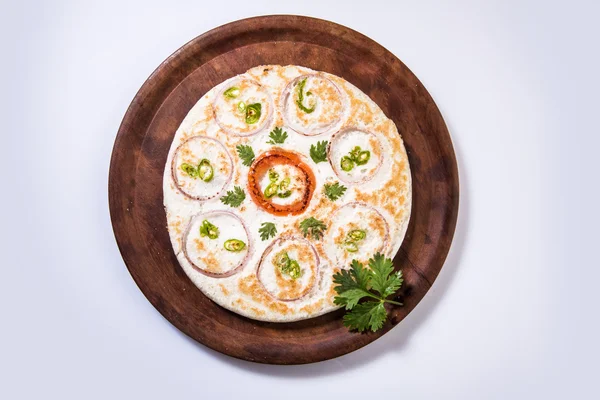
(344,281)
(334,190)
(234,197)
(361,275)
(370,314)
(357,277)
(267,230)
(352,285)
(312,227)
(359,282)
(318,153)
(381,280)
(277,135)
(246,154)
(393,283)
(350,298)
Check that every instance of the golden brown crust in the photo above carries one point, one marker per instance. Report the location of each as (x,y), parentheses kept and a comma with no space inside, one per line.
(389,196)
(250,286)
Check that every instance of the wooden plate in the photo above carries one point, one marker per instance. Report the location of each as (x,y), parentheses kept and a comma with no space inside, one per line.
(142,144)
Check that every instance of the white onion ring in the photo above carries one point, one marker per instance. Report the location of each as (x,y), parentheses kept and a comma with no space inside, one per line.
(268,251)
(336,168)
(332,127)
(232,271)
(386,237)
(259,127)
(174,169)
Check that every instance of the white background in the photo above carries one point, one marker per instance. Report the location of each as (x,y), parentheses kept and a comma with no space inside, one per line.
(514,313)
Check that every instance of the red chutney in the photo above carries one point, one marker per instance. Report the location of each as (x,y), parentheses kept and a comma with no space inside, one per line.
(260,167)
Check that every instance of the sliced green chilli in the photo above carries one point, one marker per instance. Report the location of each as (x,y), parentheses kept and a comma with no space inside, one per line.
(273,176)
(282,260)
(347,163)
(351,246)
(205,170)
(354,153)
(363,157)
(241,106)
(283,190)
(189,169)
(234,245)
(294,270)
(208,229)
(232,92)
(356,235)
(253,112)
(271,190)
(300,101)
(288,266)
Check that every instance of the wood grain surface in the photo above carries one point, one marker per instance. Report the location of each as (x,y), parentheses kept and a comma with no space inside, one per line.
(142,144)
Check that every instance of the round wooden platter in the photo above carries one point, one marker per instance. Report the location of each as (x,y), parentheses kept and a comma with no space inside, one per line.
(142,144)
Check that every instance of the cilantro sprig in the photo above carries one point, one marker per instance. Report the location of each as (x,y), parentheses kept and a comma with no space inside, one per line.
(277,136)
(246,154)
(312,227)
(378,282)
(267,230)
(234,197)
(318,153)
(334,191)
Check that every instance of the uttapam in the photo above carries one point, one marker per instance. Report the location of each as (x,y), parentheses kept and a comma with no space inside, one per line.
(278,178)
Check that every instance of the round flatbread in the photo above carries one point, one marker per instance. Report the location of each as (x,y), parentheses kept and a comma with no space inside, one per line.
(278,178)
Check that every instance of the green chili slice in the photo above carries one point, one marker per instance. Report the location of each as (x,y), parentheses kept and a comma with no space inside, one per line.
(232,92)
(205,170)
(283,189)
(253,113)
(347,163)
(282,260)
(271,190)
(350,246)
(287,266)
(363,157)
(234,245)
(354,153)
(356,235)
(189,169)
(208,229)
(241,106)
(300,101)
(273,176)
(294,270)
